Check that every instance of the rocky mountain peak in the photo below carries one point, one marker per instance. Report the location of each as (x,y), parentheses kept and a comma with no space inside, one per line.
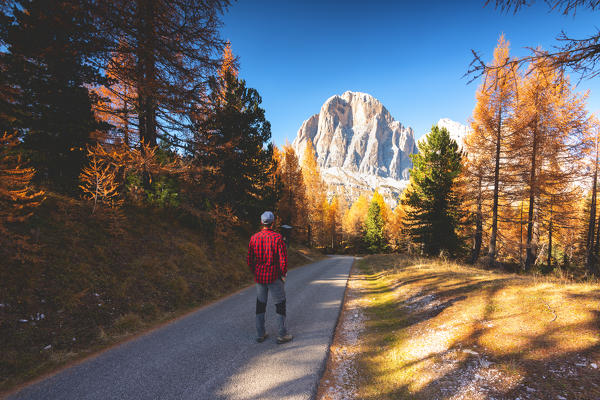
(356,132)
(358,144)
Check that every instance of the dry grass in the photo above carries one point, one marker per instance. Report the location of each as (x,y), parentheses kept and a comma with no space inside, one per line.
(438,330)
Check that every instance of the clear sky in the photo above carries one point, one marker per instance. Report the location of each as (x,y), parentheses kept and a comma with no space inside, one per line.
(411,55)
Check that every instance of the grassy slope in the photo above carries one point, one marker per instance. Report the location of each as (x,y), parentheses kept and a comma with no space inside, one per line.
(96,288)
(442,330)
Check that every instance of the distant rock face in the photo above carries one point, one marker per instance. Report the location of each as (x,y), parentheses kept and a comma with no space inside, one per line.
(355,132)
(359,146)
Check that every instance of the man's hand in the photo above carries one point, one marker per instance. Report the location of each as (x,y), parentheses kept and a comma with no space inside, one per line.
(283,278)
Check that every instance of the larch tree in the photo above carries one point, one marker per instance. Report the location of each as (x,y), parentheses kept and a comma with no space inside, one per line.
(116,103)
(473,187)
(580,55)
(316,191)
(397,229)
(385,210)
(18,198)
(434,212)
(354,219)
(495,102)
(593,139)
(172,44)
(292,201)
(332,222)
(548,134)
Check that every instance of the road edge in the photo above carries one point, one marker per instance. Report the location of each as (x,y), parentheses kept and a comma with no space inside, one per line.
(323,366)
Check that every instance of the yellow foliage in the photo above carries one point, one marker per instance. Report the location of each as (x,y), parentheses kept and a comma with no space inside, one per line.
(316,194)
(355,217)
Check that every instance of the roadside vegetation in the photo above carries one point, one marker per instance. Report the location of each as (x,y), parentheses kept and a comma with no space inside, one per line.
(438,329)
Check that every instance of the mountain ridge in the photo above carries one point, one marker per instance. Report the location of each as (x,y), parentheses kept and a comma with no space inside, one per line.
(360,147)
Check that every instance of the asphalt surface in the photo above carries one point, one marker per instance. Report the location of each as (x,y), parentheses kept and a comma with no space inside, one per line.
(211,354)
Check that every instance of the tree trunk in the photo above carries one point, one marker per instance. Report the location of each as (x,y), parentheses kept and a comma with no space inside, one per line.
(590,253)
(146,71)
(521,237)
(478,227)
(530,256)
(494,234)
(550,239)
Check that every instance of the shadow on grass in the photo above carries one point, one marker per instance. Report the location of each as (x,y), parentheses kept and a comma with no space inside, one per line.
(542,364)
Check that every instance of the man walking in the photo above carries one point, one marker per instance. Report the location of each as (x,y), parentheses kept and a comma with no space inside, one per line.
(267,259)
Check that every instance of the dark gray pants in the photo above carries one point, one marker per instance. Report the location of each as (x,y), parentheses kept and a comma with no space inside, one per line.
(277,290)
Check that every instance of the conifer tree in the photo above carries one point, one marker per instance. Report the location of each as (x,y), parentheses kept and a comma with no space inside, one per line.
(374,228)
(354,219)
(47,63)
(546,144)
(173,44)
(116,103)
(231,140)
(316,194)
(593,139)
(18,198)
(398,236)
(434,213)
(495,101)
(292,201)
(383,207)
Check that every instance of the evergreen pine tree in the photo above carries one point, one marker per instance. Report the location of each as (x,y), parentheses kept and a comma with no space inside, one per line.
(47,67)
(374,226)
(433,213)
(231,141)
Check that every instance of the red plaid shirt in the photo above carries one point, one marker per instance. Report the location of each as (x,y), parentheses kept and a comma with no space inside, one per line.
(267,256)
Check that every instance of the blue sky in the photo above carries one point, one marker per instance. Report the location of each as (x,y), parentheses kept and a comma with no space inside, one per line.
(409,55)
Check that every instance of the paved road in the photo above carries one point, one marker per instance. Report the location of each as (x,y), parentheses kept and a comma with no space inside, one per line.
(211,354)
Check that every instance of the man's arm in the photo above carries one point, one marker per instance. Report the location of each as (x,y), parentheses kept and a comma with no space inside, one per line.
(250,256)
(282,251)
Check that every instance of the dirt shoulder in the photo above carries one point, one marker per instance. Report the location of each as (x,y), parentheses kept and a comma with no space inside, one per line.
(427,329)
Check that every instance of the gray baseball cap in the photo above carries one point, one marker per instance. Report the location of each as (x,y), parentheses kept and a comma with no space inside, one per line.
(267,218)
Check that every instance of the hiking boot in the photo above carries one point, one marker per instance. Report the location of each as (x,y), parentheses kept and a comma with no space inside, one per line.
(262,338)
(284,339)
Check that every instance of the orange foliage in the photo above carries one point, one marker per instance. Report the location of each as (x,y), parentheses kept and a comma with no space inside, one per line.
(229,63)
(549,128)
(116,104)
(291,207)
(99,182)
(18,200)
(484,183)
(316,194)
